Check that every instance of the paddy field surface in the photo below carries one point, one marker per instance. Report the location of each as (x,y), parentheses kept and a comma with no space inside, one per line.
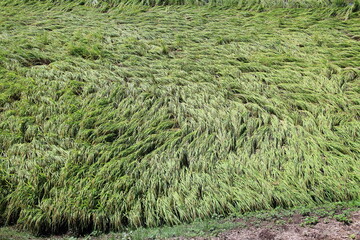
(117,117)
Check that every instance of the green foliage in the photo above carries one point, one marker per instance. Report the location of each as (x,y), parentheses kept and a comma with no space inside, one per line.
(343,218)
(5,187)
(88,47)
(310,221)
(141,117)
(12,87)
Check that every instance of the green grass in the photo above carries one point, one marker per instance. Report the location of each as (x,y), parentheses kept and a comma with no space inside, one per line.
(213,227)
(141,117)
(198,228)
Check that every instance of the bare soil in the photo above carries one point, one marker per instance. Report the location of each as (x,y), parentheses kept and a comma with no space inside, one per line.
(292,228)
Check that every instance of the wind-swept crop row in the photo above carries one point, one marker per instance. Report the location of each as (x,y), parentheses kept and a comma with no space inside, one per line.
(353,5)
(130,119)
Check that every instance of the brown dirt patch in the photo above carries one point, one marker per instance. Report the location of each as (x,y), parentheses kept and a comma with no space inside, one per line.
(291,229)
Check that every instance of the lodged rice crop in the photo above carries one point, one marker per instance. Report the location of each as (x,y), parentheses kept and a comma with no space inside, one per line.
(239,4)
(246,4)
(139,116)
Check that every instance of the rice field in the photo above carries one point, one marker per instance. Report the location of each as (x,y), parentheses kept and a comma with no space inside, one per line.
(119,115)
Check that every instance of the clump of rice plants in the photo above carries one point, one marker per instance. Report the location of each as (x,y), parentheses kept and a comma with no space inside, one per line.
(160,116)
